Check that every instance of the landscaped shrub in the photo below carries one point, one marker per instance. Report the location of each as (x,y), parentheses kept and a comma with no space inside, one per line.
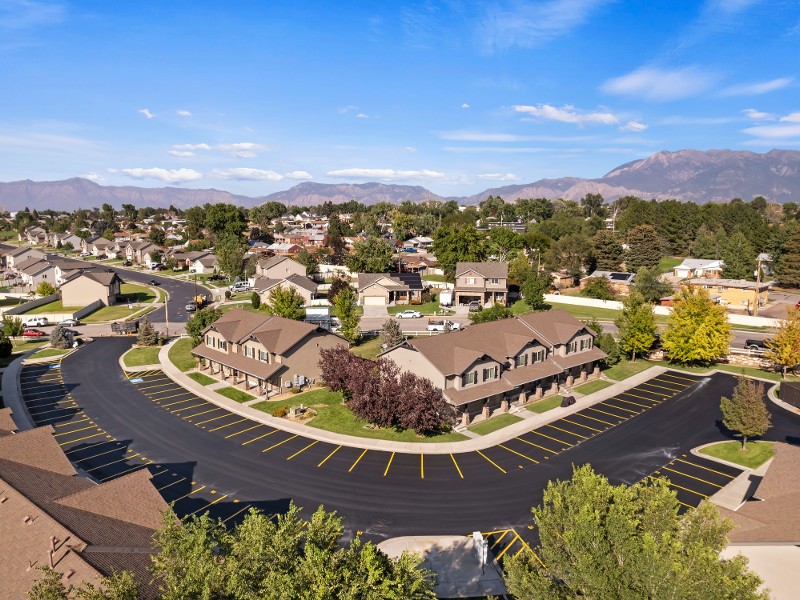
(58,338)
(12,326)
(280,412)
(6,347)
(148,336)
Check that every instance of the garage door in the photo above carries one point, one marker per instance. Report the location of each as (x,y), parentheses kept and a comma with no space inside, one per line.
(374,300)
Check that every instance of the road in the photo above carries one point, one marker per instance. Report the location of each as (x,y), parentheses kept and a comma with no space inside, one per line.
(203,457)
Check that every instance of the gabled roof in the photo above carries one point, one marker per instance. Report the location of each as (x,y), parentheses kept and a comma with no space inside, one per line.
(277,334)
(7,424)
(36,448)
(486,269)
(399,281)
(555,326)
(614,276)
(700,263)
(102,277)
(268,263)
(301,281)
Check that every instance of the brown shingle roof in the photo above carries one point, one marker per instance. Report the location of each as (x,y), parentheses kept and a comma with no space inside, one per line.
(556,326)
(301,281)
(7,424)
(579,358)
(239,362)
(36,448)
(487,269)
(238,325)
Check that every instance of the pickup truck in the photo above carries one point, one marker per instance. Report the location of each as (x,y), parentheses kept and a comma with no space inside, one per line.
(442,325)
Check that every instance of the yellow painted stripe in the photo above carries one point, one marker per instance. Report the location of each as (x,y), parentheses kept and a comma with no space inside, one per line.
(551,438)
(75,430)
(618,399)
(670,374)
(661,387)
(578,435)
(121,473)
(671,484)
(497,541)
(692,477)
(460,474)
(245,430)
(237,513)
(178,410)
(201,488)
(706,468)
(315,442)
(504,550)
(95,455)
(171,484)
(158,385)
(260,437)
(422,466)
(335,450)
(112,462)
(227,425)
(353,466)
(44,421)
(81,439)
(582,425)
(73,422)
(538,446)
(207,505)
(279,443)
(491,461)
(581,414)
(226,415)
(605,412)
(504,447)
(204,412)
(657,400)
(615,407)
(389,464)
(177,402)
(159,399)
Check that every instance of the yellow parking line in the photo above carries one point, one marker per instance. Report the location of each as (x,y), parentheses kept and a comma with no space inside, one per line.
(121,473)
(504,447)
(630,410)
(389,464)
(669,482)
(676,387)
(178,401)
(81,439)
(422,466)
(335,450)
(605,412)
(460,474)
(618,399)
(158,399)
(236,513)
(578,435)
(203,403)
(171,484)
(204,412)
(112,462)
(207,505)
(279,443)
(73,422)
(666,468)
(304,449)
(202,487)
(260,437)
(353,466)
(504,550)
(245,430)
(96,455)
(214,419)
(491,461)
(678,377)
(538,446)
(674,391)
(227,425)
(684,503)
(706,468)
(582,425)
(74,430)
(551,438)
(497,541)
(657,400)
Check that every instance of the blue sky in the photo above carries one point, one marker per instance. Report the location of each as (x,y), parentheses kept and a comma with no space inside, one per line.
(458,96)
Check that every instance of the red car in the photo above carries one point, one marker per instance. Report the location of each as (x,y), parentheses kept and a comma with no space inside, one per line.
(33,333)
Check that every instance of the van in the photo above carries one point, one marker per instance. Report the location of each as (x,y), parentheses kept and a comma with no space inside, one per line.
(239,286)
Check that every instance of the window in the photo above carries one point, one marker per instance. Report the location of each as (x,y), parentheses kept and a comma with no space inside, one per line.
(573,347)
(521,361)
(586,343)
(469,378)
(263,356)
(494,280)
(538,356)
(223,345)
(470,281)
(249,352)
(490,373)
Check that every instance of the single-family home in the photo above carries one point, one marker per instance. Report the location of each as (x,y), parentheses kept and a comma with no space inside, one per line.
(304,286)
(20,255)
(34,235)
(618,283)
(487,366)
(419,242)
(261,354)
(279,267)
(60,240)
(735,294)
(482,282)
(284,249)
(138,251)
(34,271)
(82,289)
(699,267)
(205,264)
(384,289)
(424,264)
(562,279)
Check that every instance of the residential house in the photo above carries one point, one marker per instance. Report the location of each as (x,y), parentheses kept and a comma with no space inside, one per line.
(482,282)
(153,257)
(52,516)
(138,251)
(304,286)
(419,243)
(34,271)
(82,289)
(34,235)
(20,255)
(384,289)
(284,249)
(487,366)
(261,354)
(64,239)
(735,293)
(699,267)
(618,283)
(424,264)
(95,245)
(279,267)
(562,279)
(207,263)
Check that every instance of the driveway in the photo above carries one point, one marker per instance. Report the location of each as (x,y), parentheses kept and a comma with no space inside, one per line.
(376,311)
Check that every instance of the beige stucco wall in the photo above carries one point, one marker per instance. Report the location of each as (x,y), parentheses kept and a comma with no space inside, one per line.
(306,294)
(82,291)
(373,291)
(303,359)
(282,270)
(479,366)
(412,361)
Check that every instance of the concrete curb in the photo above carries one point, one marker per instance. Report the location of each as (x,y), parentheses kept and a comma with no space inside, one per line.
(12,396)
(124,367)
(733,494)
(772,394)
(480,443)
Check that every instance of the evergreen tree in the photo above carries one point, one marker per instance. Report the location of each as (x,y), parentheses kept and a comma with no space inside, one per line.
(347,311)
(58,338)
(650,286)
(255,300)
(608,252)
(739,257)
(644,248)
(148,336)
(746,413)
(6,346)
(788,268)
(698,330)
(309,261)
(783,348)
(534,289)
(391,335)
(285,302)
(637,325)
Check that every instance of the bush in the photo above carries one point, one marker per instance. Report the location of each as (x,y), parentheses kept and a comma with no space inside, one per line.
(58,338)
(45,289)
(148,336)
(295,390)
(255,300)
(12,326)
(280,412)
(228,294)
(6,347)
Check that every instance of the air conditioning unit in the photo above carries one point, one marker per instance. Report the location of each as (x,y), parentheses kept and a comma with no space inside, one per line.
(287,384)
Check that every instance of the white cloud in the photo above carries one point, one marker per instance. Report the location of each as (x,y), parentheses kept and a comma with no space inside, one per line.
(653,83)
(755,89)
(566,114)
(532,24)
(92,177)
(146,113)
(757,115)
(478,136)
(634,126)
(181,153)
(499,176)
(167,175)
(343,110)
(387,174)
(362,116)
(241,146)
(245,154)
(791,118)
(775,132)
(679,120)
(409,149)
(244,174)
(191,147)
(494,149)
(299,175)
(237,150)
(184,113)
(465,105)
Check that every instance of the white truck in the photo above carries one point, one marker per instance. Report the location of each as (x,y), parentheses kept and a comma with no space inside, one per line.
(445,298)
(442,325)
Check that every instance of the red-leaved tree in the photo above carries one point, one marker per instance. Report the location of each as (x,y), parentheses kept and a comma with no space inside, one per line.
(422,406)
(334,367)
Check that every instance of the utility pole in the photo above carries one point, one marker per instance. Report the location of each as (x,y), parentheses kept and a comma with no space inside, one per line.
(166,311)
(758,284)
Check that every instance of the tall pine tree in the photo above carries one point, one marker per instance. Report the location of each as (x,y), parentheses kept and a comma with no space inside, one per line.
(739,257)
(608,252)
(644,248)
(788,268)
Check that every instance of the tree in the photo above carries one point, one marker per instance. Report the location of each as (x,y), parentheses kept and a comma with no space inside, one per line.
(698,330)
(787,270)
(599,288)
(255,300)
(334,367)
(347,311)
(421,405)
(644,248)
(391,335)
(604,341)
(637,325)
(592,204)
(285,302)
(45,289)
(372,255)
(12,326)
(598,540)
(230,255)
(608,252)
(199,321)
(650,286)
(225,220)
(308,260)
(453,244)
(783,348)
(6,346)
(58,338)
(706,244)
(494,313)
(503,244)
(49,586)
(534,289)
(746,413)
(739,257)
(519,269)
(157,236)
(148,336)
(571,252)
(337,286)
(155,256)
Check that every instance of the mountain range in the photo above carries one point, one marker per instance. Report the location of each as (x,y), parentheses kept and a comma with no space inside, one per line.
(690,175)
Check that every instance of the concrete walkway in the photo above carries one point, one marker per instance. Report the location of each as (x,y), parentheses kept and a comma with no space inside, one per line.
(530,421)
(736,493)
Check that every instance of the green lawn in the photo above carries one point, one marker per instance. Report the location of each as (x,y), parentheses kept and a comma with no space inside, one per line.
(593,386)
(494,424)
(757,453)
(428,308)
(245,305)
(11,301)
(53,307)
(668,263)
(47,352)
(202,379)
(333,415)
(434,278)
(368,348)
(181,354)
(117,312)
(137,293)
(138,357)
(18,347)
(546,404)
(236,395)
(8,234)
(625,368)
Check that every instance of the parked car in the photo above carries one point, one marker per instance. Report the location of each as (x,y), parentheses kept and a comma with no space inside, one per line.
(239,286)
(216,277)
(442,325)
(69,322)
(36,322)
(33,333)
(84,254)
(474,306)
(154,266)
(159,268)
(191,306)
(409,314)
(756,344)
(109,270)
(153,282)
(127,263)
(567,401)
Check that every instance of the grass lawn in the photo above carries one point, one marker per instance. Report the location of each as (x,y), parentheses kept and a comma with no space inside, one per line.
(546,404)
(181,355)
(757,453)
(494,424)
(110,313)
(138,357)
(625,368)
(245,305)
(202,379)
(50,352)
(593,386)
(333,415)
(11,301)
(18,347)
(435,278)
(137,293)
(520,307)
(368,348)
(668,263)
(53,307)
(428,308)
(8,234)
(236,395)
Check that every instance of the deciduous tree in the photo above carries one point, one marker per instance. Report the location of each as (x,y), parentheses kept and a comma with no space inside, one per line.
(391,335)
(230,255)
(453,244)
(45,289)
(534,289)
(698,330)
(598,288)
(604,341)
(493,313)
(746,413)
(422,407)
(285,302)
(637,325)
(199,321)
(372,255)
(650,285)
(783,348)
(347,311)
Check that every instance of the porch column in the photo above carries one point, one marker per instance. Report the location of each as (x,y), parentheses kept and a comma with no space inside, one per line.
(486,412)
(504,404)
(538,392)
(582,377)
(523,398)
(596,372)
(554,387)
(465,419)
(570,380)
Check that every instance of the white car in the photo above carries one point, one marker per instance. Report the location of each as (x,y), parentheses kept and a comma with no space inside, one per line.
(36,322)
(409,314)
(442,325)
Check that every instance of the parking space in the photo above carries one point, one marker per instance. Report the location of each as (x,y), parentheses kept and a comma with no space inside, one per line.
(695,479)
(506,542)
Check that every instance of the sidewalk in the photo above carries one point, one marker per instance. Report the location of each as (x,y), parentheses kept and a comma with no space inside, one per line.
(736,493)
(529,421)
